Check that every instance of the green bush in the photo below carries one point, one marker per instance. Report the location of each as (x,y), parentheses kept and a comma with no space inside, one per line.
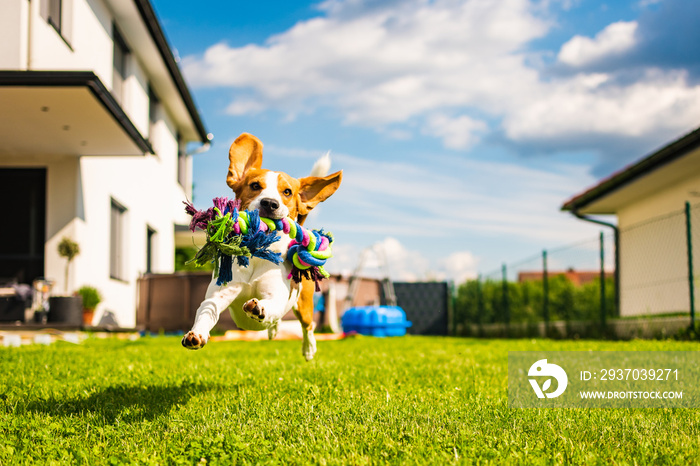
(91,296)
(182,255)
(483,302)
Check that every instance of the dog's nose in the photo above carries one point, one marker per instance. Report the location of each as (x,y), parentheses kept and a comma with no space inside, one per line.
(269,204)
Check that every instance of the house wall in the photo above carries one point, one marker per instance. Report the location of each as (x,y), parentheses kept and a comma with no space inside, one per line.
(85,42)
(670,199)
(653,253)
(136,101)
(80,189)
(138,185)
(14,25)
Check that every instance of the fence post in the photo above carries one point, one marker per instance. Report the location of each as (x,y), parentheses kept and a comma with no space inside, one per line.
(616,273)
(617,254)
(506,311)
(691,284)
(545,293)
(451,301)
(479,301)
(602,283)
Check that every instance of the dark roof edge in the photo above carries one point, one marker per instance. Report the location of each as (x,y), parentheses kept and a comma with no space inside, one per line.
(153,25)
(666,154)
(78,79)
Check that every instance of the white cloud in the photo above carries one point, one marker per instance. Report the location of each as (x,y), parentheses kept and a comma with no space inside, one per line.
(648,3)
(456,133)
(380,65)
(612,41)
(244,107)
(401,263)
(386,257)
(460,266)
(427,67)
(587,105)
(391,257)
(446,198)
(432,219)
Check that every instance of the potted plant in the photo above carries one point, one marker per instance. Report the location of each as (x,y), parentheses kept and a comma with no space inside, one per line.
(69,249)
(66,309)
(91,298)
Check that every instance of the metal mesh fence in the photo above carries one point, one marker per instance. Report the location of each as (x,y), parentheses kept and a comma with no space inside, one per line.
(559,284)
(592,282)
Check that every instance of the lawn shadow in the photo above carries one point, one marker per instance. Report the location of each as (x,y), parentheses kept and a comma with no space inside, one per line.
(122,402)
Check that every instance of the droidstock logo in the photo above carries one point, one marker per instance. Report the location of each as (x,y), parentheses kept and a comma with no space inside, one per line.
(543,369)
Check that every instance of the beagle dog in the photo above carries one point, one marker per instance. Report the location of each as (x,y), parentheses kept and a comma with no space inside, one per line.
(261,293)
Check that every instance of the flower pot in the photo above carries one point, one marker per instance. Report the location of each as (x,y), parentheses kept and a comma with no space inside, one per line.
(88,315)
(66,310)
(40,316)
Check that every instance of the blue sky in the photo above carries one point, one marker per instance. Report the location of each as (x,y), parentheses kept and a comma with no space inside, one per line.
(461,125)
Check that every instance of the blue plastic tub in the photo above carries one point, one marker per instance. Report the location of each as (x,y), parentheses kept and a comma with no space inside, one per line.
(378,321)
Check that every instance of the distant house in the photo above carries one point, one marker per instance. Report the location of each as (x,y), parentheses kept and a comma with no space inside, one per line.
(648,198)
(95,118)
(577,277)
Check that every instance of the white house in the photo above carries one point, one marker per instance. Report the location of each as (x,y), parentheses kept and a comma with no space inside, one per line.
(95,121)
(648,198)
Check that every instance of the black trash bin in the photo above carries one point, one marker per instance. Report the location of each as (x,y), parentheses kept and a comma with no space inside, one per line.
(66,310)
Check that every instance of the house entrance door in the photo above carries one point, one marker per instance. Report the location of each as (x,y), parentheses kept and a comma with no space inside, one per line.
(23,234)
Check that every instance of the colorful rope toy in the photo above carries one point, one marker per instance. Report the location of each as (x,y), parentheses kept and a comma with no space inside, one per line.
(244,234)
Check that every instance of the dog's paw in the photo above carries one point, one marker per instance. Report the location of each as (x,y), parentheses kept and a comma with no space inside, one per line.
(193,340)
(272,332)
(308,348)
(254,309)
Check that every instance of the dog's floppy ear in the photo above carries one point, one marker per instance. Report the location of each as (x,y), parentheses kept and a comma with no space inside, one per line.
(316,189)
(245,153)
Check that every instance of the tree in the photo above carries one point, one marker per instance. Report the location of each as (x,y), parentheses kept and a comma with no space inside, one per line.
(69,249)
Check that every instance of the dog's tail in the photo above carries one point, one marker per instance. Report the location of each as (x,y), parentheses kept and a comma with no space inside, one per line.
(322,165)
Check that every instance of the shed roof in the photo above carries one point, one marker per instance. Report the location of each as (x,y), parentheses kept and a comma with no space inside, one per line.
(661,168)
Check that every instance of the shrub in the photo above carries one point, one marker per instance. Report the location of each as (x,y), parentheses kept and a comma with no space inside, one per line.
(183,255)
(482,302)
(91,296)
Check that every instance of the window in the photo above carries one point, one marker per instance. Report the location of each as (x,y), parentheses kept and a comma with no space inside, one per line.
(59,14)
(121,54)
(54,14)
(117,239)
(150,248)
(153,103)
(153,110)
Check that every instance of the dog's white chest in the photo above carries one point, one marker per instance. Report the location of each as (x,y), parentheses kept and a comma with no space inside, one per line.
(267,282)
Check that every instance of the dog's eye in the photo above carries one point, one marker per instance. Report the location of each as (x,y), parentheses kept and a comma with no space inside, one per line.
(255,186)
(287,192)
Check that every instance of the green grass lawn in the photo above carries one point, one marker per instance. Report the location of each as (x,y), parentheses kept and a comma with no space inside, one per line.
(411,400)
